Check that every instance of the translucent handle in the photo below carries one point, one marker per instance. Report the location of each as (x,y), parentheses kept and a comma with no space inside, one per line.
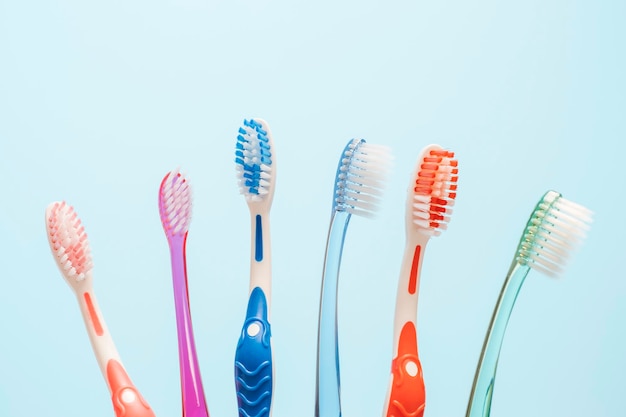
(193,399)
(328,395)
(482,390)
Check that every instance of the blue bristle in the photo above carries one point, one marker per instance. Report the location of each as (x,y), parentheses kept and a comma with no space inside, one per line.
(252,176)
(257,150)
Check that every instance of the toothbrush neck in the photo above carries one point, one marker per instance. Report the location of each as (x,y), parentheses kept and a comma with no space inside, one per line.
(482,390)
(178,255)
(260,253)
(99,336)
(408,285)
(414,251)
(502,313)
(327,395)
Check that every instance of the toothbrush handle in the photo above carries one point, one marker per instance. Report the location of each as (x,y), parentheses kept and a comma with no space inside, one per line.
(101,341)
(406,393)
(194,403)
(482,390)
(253,360)
(127,401)
(327,388)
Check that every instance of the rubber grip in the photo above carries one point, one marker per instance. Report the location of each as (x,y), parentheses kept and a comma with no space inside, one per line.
(408,394)
(253,360)
(127,401)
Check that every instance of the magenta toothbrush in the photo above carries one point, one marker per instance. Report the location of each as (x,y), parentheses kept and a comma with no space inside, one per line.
(175,211)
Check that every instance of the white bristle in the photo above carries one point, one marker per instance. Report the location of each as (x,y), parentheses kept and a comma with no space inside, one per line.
(175,203)
(361,178)
(68,241)
(556,228)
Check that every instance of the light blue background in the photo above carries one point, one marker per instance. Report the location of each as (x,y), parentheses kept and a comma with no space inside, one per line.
(99,100)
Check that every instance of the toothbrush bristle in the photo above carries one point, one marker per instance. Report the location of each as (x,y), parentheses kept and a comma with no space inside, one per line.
(434,190)
(253,157)
(556,228)
(68,241)
(361,177)
(175,203)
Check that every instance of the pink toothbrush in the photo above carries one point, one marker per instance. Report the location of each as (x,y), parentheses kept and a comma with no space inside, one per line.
(70,248)
(175,211)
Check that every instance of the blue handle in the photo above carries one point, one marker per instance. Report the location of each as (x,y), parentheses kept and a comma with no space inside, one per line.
(327,385)
(253,360)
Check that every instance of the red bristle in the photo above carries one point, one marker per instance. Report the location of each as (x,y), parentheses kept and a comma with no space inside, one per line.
(427,174)
(424,181)
(438,175)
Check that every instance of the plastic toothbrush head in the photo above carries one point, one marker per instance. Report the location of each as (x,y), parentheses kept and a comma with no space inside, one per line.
(361,178)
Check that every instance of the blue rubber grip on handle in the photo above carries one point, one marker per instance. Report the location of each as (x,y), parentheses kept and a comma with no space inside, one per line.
(253,360)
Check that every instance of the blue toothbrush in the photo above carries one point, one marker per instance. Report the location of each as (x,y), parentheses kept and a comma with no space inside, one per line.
(359,183)
(256,171)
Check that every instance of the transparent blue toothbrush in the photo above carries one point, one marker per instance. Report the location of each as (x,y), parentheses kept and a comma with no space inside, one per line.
(358,184)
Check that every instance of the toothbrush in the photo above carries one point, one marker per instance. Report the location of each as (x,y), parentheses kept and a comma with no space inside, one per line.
(175,212)
(430,196)
(71,251)
(256,172)
(555,228)
(359,184)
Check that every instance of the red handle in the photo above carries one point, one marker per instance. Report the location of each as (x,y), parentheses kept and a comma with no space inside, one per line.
(408,394)
(127,401)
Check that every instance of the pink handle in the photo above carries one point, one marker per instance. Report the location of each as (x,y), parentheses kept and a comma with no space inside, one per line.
(194,402)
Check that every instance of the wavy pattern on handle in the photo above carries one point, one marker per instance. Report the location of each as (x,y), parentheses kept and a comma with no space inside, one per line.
(253,360)
(408,396)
